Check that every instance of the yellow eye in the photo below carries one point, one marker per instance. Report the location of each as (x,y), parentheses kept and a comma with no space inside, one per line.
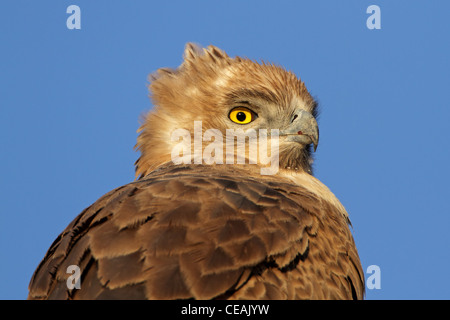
(242,115)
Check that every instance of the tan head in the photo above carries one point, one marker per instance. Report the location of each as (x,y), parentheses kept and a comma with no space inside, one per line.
(227,93)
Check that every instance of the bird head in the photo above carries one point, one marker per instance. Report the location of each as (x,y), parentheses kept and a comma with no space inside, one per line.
(224,93)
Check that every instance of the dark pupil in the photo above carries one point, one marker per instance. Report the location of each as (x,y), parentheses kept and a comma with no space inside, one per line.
(241,116)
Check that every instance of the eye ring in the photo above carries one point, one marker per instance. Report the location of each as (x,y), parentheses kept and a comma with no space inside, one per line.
(242,115)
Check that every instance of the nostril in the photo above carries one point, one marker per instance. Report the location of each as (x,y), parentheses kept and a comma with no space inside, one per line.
(295,117)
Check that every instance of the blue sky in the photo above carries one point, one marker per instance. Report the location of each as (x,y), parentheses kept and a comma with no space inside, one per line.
(71,100)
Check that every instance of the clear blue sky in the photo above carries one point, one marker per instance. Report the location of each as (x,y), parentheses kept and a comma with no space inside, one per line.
(71,99)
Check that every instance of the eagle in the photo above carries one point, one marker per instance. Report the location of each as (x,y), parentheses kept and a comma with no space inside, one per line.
(208,218)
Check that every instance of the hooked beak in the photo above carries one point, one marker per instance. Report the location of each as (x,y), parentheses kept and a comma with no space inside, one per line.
(303,129)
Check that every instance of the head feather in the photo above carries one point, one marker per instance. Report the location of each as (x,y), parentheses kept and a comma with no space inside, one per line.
(202,88)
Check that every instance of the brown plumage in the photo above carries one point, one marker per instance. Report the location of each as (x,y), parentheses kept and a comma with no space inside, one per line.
(217,231)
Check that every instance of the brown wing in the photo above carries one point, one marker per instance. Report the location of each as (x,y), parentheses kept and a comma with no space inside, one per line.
(196,232)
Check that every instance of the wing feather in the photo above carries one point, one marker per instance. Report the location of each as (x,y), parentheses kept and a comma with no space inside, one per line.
(204,233)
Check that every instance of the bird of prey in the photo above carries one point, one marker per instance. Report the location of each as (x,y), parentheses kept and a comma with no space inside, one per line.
(203,220)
